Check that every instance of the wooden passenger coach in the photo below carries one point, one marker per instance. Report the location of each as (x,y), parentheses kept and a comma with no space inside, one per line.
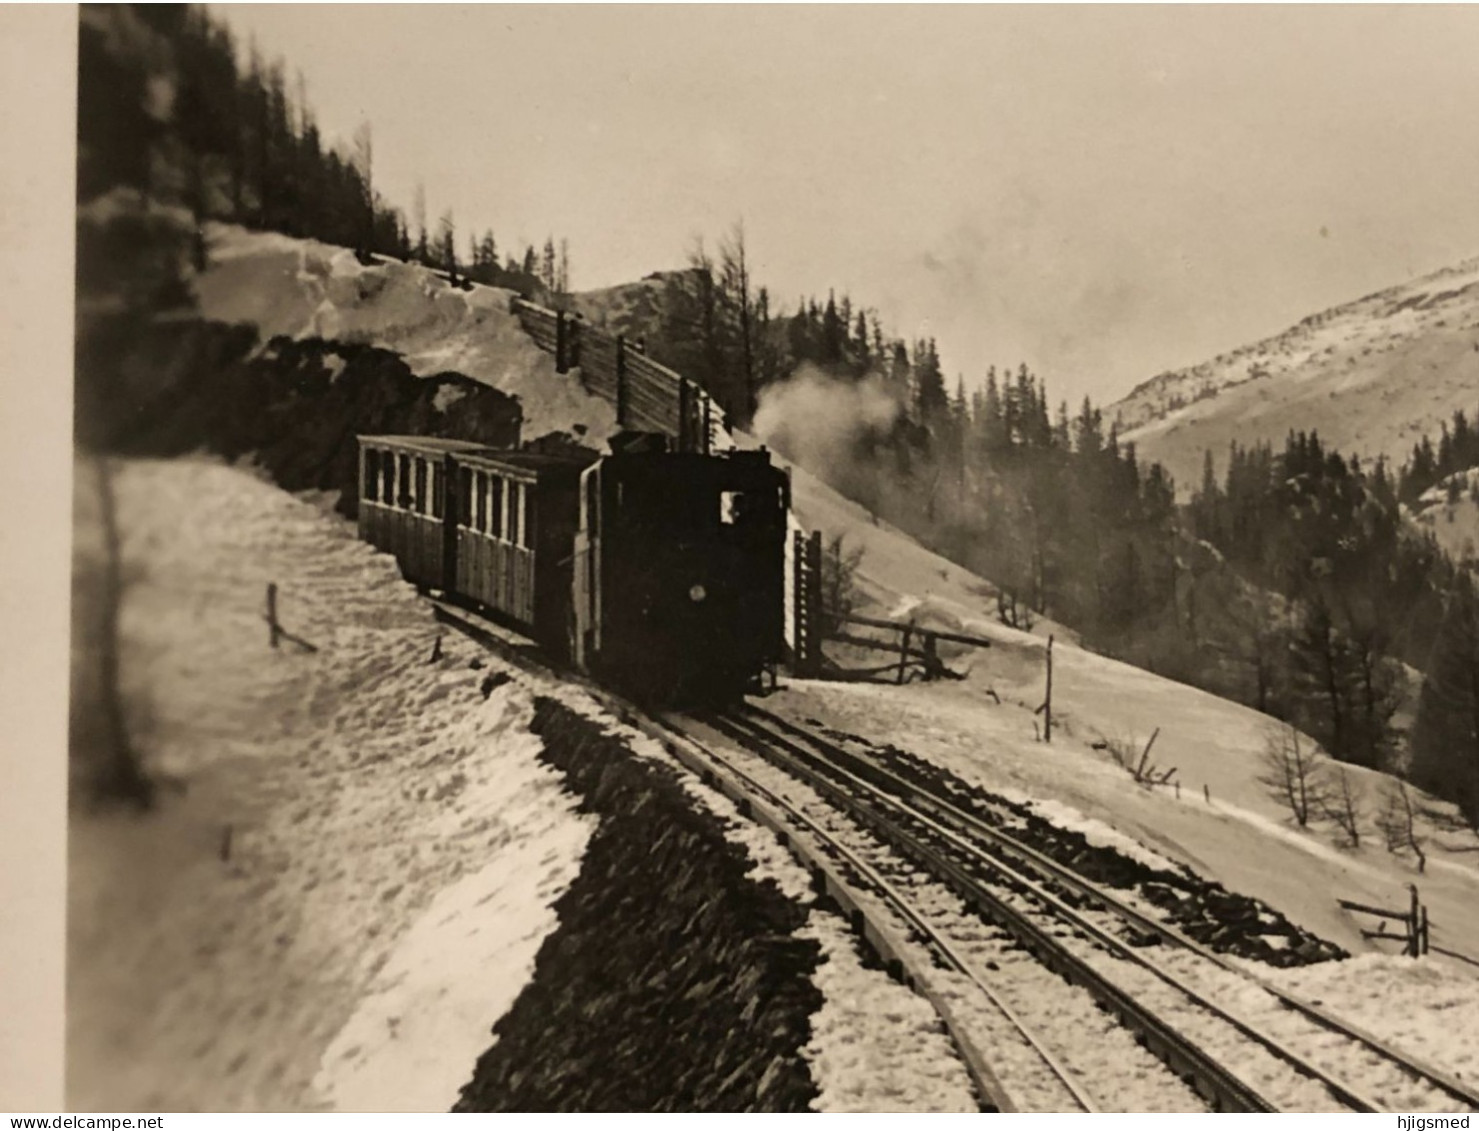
(488,527)
(402,496)
(516,516)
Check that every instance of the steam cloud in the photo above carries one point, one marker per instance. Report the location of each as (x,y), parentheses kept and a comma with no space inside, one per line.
(822,422)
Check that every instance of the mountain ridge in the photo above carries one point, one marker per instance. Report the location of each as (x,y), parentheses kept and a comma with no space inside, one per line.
(1350,373)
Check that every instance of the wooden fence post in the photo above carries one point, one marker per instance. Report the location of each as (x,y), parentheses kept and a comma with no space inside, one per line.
(621,380)
(684,440)
(1047,728)
(904,650)
(273,627)
(1413,940)
(561,364)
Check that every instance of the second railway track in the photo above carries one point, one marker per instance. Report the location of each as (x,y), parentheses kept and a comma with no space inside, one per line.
(1263,1050)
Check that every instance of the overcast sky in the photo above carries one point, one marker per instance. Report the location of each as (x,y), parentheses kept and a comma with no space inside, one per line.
(1102,191)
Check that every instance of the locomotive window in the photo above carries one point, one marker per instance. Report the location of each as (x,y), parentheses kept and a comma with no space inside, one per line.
(732,507)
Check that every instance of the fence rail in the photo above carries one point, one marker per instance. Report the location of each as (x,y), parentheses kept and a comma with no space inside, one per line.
(648,397)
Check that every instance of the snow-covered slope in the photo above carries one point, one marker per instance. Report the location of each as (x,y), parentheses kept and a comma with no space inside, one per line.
(305,289)
(349,817)
(1453,517)
(634,309)
(1372,377)
(365,857)
(1222,823)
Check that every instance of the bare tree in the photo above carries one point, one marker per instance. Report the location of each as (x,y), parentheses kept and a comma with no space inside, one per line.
(120,775)
(1345,807)
(839,582)
(1294,773)
(364,161)
(418,218)
(447,245)
(735,271)
(1397,822)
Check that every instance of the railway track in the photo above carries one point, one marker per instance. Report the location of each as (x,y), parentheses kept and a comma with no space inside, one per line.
(1034,896)
(1017,887)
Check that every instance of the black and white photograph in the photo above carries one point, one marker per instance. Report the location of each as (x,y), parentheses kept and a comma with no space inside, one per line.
(763,558)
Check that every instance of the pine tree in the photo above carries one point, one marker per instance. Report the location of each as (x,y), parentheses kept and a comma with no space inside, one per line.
(1445,735)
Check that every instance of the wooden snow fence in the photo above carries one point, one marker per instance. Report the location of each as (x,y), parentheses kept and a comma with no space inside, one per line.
(917,647)
(1414,922)
(647,396)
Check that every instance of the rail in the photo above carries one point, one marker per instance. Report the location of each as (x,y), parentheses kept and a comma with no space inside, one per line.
(1061,874)
(756,802)
(1221,1086)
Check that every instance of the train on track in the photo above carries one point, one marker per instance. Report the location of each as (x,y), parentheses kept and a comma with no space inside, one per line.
(658,573)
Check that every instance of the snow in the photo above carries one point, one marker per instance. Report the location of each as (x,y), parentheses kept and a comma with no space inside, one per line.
(1456,524)
(355,718)
(876,1045)
(1242,837)
(304,289)
(373,799)
(397,844)
(1427,1008)
(424,1021)
(1371,377)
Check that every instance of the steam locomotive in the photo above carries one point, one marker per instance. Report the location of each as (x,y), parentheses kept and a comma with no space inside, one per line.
(659,573)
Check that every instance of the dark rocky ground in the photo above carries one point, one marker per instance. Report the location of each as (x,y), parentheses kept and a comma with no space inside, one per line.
(673,982)
(1222,920)
(169,387)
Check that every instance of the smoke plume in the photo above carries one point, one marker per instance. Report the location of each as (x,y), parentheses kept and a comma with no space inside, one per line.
(828,424)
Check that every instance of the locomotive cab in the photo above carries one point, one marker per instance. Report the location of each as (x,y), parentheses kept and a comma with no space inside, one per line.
(679,572)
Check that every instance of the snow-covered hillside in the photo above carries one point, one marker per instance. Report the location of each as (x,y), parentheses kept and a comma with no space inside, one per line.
(634,309)
(1450,510)
(333,799)
(318,840)
(365,850)
(1372,377)
(304,289)
(1214,743)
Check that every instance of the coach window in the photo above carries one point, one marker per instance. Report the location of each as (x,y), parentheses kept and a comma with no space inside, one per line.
(480,500)
(403,481)
(495,506)
(387,478)
(420,486)
(436,490)
(464,497)
(516,513)
(370,474)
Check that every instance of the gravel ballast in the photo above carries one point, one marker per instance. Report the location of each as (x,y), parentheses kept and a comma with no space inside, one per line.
(675,981)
